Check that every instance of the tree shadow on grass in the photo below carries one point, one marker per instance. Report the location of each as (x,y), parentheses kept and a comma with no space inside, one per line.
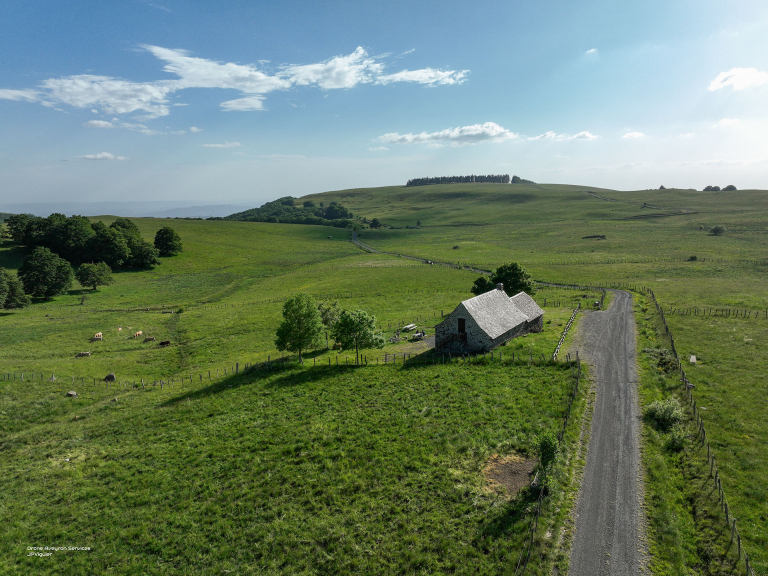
(513,516)
(11,254)
(290,377)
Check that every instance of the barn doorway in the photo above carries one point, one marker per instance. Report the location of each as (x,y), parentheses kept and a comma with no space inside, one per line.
(462,326)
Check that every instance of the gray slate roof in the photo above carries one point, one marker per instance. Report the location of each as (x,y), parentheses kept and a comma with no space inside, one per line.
(526,305)
(494,312)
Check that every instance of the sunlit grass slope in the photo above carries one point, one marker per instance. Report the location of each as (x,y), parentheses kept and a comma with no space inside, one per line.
(371,470)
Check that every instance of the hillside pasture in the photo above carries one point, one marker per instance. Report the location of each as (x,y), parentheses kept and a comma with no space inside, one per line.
(351,470)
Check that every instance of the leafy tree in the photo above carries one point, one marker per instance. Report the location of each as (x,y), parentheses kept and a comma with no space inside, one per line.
(309,204)
(126,226)
(357,329)
(717,230)
(167,241)
(301,326)
(512,275)
(482,285)
(329,314)
(77,233)
(17,226)
(94,275)
(142,253)
(11,291)
(548,449)
(109,245)
(418,222)
(375,223)
(729,188)
(44,274)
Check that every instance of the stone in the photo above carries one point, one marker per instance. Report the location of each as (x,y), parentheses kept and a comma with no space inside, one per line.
(72,393)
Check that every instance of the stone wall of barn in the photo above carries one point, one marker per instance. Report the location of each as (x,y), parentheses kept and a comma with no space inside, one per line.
(477,340)
(536,325)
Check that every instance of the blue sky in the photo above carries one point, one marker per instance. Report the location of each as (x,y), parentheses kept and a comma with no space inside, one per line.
(243,102)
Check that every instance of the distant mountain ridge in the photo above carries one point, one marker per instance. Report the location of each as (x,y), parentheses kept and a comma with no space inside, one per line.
(154,209)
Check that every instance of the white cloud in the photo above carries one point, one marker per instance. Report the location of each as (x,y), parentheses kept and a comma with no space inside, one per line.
(26,95)
(424,76)
(201,73)
(408,51)
(225,145)
(739,78)
(550,135)
(378,149)
(591,51)
(728,122)
(248,104)
(474,134)
(338,72)
(98,124)
(101,156)
(116,123)
(195,129)
(117,96)
(633,135)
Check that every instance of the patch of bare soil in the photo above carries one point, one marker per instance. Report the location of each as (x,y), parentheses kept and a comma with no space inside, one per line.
(511,472)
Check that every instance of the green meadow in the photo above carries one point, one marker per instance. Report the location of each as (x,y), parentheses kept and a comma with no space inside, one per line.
(226,291)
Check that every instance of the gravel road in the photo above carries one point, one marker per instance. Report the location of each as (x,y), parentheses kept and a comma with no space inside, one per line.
(610,536)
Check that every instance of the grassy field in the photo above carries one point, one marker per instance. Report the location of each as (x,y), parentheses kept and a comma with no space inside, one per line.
(233,276)
(304,471)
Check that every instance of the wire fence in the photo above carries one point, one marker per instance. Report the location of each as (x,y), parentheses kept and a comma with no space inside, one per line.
(714,474)
(525,555)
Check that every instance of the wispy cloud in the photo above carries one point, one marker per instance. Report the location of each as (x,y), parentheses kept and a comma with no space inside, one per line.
(585,135)
(117,123)
(195,129)
(591,51)
(630,135)
(474,134)
(739,78)
(425,76)
(101,156)
(728,122)
(118,96)
(225,145)
(25,95)
(98,124)
(378,149)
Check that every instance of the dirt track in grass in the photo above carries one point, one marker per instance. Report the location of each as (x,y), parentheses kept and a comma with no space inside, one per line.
(610,536)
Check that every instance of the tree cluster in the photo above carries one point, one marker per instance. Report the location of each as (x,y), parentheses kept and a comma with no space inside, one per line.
(729,188)
(512,275)
(11,291)
(304,322)
(284,210)
(518,180)
(490,178)
(77,240)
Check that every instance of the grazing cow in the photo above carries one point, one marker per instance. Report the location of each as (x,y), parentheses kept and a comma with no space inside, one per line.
(97,337)
(119,329)
(110,377)
(149,339)
(137,334)
(83,355)
(165,343)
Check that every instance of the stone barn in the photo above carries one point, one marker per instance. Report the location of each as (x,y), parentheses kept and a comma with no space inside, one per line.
(486,321)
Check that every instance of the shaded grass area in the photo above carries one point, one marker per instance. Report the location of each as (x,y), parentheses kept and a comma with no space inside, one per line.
(367,470)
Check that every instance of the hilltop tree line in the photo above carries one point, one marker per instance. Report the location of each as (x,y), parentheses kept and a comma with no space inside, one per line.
(490,178)
(60,243)
(472,178)
(284,210)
